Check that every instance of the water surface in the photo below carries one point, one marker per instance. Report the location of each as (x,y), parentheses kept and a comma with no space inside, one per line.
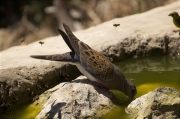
(148,73)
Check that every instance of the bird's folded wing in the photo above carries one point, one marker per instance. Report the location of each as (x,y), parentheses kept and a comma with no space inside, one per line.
(66,39)
(95,63)
(73,40)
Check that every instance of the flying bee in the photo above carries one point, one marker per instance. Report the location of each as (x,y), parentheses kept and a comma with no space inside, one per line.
(22,39)
(116,25)
(40,42)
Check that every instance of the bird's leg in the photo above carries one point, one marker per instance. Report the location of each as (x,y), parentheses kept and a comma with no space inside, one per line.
(111,95)
(175,31)
(99,85)
(102,87)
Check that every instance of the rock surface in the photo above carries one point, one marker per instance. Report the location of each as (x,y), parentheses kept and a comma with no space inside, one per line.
(162,103)
(77,99)
(148,33)
(22,84)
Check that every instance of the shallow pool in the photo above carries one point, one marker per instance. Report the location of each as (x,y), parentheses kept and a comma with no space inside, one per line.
(147,73)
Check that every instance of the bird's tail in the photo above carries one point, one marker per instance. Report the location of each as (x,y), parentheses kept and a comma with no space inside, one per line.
(69,56)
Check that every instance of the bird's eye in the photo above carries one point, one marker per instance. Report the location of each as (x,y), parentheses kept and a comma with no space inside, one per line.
(133,91)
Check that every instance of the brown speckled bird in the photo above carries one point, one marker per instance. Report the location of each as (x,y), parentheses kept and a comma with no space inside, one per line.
(92,64)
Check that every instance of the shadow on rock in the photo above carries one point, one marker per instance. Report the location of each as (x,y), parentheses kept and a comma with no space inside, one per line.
(107,93)
(55,109)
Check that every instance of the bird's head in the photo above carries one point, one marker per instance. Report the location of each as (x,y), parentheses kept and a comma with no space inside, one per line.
(124,85)
(174,15)
(129,88)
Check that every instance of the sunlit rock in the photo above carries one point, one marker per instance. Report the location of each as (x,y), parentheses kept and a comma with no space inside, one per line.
(162,103)
(77,99)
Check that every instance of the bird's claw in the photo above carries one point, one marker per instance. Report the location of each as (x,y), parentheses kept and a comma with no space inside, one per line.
(175,31)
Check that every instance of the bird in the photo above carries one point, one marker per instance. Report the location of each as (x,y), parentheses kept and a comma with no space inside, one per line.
(92,64)
(176,20)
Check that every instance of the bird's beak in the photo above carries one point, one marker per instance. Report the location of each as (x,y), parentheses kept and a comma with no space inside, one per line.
(170,14)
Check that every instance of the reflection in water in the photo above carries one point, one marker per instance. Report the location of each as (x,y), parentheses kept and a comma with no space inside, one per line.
(150,64)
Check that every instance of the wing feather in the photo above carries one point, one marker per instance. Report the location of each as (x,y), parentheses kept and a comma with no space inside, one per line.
(73,40)
(95,63)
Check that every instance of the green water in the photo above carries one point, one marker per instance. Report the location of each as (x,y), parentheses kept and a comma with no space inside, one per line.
(24,111)
(148,73)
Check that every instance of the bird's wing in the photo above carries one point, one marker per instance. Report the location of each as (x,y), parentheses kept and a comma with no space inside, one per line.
(95,63)
(69,57)
(66,39)
(72,39)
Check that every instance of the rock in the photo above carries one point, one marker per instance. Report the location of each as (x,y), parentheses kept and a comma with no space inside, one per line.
(22,78)
(22,84)
(77,99)
(162,103)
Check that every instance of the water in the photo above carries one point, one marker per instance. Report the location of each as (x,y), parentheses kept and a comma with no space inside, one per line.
(23,111)
(148,73)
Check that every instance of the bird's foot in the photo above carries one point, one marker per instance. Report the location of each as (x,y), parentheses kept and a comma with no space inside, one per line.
(102,87)
(99,85)
(175,31)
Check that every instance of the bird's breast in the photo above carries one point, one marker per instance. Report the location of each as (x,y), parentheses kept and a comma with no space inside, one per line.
(85,73)
(176,23)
